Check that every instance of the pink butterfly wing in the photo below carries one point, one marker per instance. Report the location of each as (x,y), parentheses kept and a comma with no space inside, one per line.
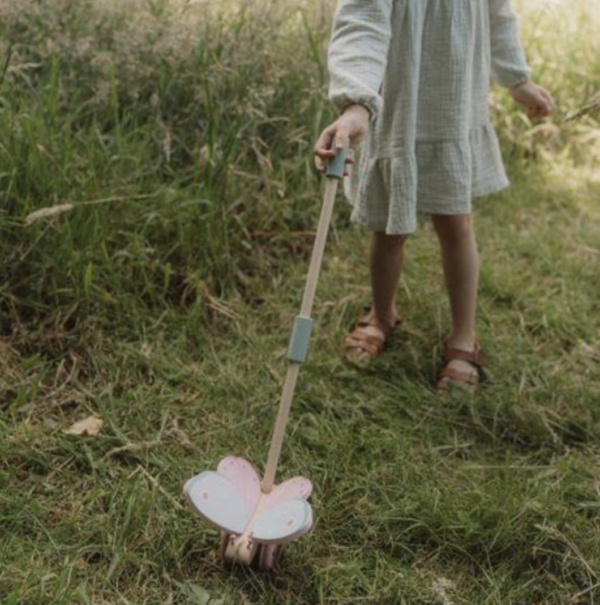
(243,477)
(297,488)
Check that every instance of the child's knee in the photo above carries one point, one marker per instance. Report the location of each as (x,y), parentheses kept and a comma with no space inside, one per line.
(396,240)
(453,227)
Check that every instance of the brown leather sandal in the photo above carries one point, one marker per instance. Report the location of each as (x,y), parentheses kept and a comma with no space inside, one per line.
(468,381)
(366,341)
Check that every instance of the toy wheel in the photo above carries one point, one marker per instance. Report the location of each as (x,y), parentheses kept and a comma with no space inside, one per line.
(234,552)
(268,556)
(225,539)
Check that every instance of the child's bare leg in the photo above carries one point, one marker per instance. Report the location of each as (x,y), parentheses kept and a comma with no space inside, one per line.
(460,261)
(386,258)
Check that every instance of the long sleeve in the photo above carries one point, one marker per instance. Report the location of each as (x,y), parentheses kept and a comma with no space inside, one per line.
(358,53)
(509,64)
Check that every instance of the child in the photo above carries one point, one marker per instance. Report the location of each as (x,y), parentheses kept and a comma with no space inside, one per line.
(412,78)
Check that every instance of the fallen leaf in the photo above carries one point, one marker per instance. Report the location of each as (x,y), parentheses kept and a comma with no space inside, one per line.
(90,426)
(47,213)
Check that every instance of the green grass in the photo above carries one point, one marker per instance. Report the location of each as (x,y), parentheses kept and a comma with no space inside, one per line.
(164,307)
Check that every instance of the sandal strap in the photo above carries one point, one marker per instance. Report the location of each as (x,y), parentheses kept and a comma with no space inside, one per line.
(371,343)
(363,322)
(449,374)
(473,357)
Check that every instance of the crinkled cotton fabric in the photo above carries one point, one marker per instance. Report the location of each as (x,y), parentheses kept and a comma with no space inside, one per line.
(423,69)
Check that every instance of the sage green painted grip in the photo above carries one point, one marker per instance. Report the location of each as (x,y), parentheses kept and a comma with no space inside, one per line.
(300,338)
(337,164)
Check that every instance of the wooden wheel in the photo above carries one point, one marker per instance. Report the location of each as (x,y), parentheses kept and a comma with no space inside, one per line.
(268,556)
(225,539)
(234,551)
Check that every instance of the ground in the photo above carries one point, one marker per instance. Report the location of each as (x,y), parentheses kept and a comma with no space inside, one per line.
(493,500)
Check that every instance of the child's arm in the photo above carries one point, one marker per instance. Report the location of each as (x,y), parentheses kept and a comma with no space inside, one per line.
(509,64)
(358,53)
(357,60)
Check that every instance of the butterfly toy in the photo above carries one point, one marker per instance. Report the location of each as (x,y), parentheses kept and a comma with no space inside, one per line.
(257,517)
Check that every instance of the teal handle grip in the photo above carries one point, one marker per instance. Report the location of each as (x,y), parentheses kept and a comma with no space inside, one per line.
(337,165)
(300,338)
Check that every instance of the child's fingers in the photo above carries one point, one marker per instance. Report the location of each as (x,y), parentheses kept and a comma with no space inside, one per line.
(349,161)
(548,99)
(324,142)
(342,139)
(321,159)
(535,111)
(540,110)
(324,153)
(323,148)
(544,103)
(545,108)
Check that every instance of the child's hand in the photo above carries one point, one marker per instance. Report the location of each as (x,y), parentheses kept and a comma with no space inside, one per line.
(348,131)
(536,100)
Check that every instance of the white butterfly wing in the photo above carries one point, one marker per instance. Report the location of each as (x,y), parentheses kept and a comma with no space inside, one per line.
(215,499)
(283,522)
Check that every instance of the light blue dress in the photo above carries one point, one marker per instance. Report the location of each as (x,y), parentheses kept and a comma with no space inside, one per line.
(423,69)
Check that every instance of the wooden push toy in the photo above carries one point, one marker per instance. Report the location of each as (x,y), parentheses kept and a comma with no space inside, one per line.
(258,517)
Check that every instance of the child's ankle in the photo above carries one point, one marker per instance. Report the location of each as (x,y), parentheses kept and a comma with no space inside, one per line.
(388,319)
(463,341)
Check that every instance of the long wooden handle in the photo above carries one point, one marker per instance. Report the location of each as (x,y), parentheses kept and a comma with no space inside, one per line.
(307,305)
(319,247)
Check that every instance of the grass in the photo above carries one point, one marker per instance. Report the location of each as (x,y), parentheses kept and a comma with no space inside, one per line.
(164,307)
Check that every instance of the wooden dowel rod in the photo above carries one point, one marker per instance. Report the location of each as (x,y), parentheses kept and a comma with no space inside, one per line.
(305,310)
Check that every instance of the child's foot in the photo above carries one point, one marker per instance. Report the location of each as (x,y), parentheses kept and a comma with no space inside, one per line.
(462,368)
(368,339)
